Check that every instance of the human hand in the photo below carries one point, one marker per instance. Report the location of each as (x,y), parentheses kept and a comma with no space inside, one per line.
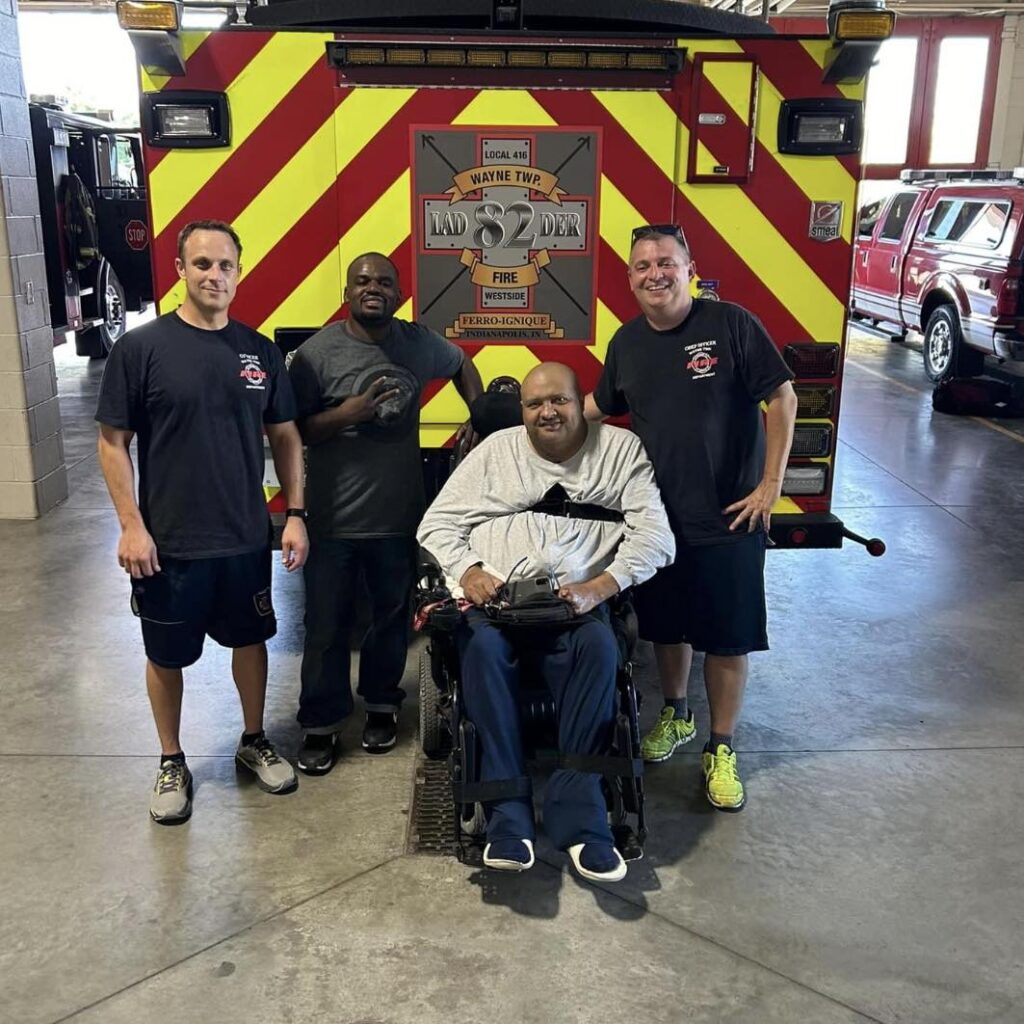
(467,436)
(585,597)
(480,586)
(756,508)
(136,552)
(360,408)
(294,544)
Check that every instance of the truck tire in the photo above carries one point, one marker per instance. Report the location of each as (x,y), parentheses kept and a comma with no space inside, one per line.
(946,354)
(99,340)
(433,736)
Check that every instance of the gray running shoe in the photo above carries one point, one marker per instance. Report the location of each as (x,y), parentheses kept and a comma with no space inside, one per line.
(273,773)
(171,802)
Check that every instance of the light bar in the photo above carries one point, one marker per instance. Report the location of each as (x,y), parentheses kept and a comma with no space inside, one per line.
(805,480)
(811,441)
(152,16)
(812,360)
(603,59)
(864,26)
(567,59)
(991,174)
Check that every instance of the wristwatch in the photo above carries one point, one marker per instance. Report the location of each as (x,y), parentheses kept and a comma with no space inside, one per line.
(298,513)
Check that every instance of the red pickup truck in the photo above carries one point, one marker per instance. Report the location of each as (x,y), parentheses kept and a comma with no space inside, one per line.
(944,255)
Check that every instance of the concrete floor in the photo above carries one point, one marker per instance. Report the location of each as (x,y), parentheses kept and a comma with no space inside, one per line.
(874,876)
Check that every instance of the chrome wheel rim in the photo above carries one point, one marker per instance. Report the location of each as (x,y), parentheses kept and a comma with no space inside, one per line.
(114,312)
(940,346)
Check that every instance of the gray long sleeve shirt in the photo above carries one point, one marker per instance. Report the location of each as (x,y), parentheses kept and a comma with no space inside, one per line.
(481,514)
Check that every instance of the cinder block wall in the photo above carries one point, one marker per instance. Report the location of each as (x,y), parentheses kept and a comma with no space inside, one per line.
(32,474)
(1007,148)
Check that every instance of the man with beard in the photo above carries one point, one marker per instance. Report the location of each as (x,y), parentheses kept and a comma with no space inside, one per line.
(357,384)
(562,498)
(692,373)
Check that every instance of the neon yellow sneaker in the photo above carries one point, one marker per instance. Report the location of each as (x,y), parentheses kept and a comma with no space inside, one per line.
(668,734)
(722,780)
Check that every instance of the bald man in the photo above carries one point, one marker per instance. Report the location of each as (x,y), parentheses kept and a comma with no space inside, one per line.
(578,502)
(357,385)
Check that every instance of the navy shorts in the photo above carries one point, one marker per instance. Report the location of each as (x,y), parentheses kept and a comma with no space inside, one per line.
(711,597)
(227,599)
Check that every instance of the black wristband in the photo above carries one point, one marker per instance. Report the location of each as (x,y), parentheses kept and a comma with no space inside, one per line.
(298,513)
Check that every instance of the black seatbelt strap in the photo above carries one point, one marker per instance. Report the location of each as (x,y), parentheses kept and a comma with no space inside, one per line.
(557,503)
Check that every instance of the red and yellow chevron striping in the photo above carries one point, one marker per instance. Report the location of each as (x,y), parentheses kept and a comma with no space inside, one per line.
(319,171)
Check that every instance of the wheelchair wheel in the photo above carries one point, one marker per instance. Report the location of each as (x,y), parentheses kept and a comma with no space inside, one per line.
(434,737)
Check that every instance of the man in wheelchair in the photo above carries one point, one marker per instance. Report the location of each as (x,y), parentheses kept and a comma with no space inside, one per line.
(576,504)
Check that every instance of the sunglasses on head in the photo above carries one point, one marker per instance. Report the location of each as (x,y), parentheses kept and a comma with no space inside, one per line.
(671,230)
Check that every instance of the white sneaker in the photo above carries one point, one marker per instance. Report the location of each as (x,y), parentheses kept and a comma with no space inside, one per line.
(611,874)
(510,863)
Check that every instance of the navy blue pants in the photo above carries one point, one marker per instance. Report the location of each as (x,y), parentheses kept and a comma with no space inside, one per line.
(579,665)
(331,575)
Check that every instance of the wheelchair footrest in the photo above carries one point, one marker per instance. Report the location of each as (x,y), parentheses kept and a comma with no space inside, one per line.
(627,842)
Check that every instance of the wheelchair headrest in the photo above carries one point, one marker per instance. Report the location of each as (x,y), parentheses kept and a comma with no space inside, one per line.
(498,407)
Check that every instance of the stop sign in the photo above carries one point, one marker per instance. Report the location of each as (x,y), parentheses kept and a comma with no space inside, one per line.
(136,234)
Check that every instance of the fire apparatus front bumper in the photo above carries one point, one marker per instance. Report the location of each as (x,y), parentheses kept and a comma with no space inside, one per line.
(818,530)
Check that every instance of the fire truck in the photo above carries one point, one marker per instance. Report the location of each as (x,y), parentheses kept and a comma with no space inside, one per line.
(501,152)
(92,206)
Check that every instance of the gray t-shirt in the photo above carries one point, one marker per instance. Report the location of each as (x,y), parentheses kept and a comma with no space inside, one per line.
(367,480)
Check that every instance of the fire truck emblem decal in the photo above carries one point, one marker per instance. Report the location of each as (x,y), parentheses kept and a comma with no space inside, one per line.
(516,209)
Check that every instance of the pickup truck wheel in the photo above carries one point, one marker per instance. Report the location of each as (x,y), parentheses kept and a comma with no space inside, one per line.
(946,354)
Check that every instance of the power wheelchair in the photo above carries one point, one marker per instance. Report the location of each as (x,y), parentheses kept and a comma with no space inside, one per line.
(446,732)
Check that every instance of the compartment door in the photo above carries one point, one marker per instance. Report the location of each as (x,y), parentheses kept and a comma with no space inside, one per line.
(722,85)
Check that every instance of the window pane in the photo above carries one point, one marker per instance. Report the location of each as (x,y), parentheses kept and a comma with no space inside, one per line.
(942,219)
(959,89)
(897,216)
(986,228)
(867,218)
(887,109)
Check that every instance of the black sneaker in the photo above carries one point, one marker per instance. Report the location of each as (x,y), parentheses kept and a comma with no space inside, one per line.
(380,731)
(318,753)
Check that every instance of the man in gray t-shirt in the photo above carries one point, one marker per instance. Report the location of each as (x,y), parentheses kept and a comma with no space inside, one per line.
(357,385)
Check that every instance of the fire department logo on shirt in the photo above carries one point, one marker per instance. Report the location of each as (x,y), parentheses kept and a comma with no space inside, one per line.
(700,359)
(252,372)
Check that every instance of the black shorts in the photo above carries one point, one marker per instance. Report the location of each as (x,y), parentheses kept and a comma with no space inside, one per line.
(227,599)
(712,598)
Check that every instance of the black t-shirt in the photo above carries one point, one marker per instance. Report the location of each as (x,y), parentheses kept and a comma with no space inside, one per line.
(197,401)
(693,393)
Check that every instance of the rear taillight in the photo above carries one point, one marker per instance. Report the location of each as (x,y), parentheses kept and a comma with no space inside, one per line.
(812,360)
(1010,301)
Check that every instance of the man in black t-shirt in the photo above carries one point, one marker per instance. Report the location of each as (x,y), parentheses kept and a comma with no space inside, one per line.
(357,385)
(692,374)
(197,390)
